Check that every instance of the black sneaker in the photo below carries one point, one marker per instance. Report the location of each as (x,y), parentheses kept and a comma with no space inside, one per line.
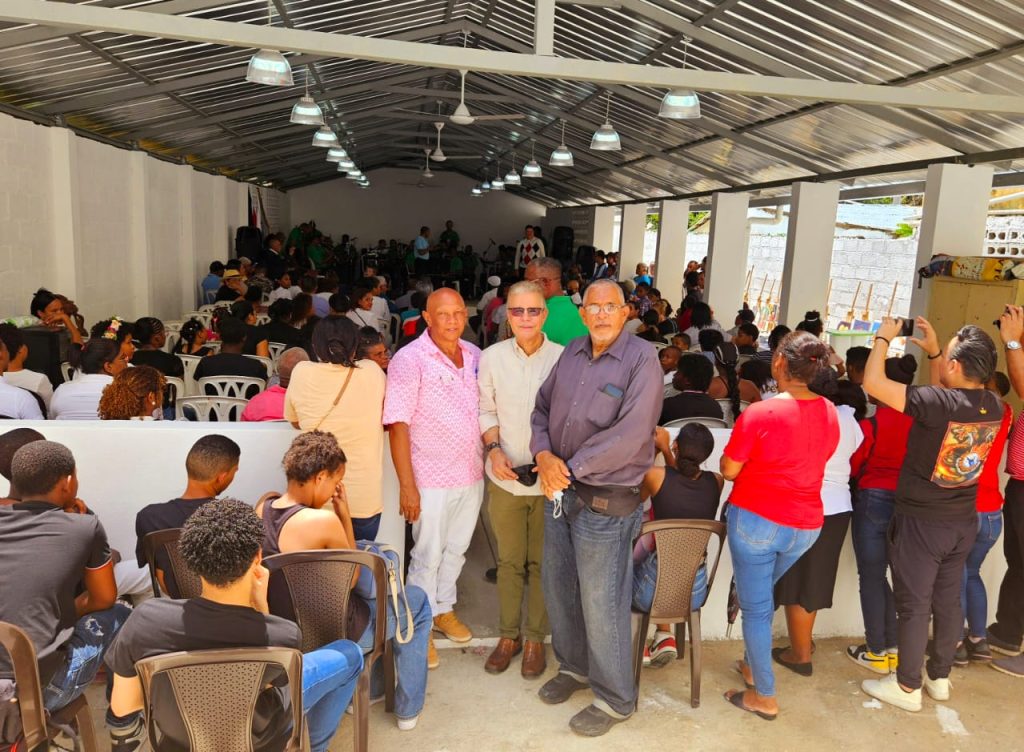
(126,734)
(978,651)
(960,657)
(1001,646)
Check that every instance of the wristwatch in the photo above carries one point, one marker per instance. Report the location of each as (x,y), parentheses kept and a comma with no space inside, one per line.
(489,447)
(1013,345)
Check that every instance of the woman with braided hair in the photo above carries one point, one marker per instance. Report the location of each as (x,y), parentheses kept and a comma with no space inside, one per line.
(192,339)
(728,384)
(134,394)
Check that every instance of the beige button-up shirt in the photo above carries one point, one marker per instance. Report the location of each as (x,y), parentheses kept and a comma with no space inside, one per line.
(509,381)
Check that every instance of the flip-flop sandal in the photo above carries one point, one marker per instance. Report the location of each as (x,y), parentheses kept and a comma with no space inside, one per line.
(804,669)
(737,700)
(738,668)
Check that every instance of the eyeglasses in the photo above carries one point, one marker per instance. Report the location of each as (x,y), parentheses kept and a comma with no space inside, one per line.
(520,312)
(608,308)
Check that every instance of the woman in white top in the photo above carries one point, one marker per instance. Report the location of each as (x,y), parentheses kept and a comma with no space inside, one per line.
(807,587)
(362,313)
(701,318)
(102,359)
(284,289)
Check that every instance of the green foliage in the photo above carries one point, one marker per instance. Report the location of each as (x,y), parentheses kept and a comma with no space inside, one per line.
(903,230)
(653,222)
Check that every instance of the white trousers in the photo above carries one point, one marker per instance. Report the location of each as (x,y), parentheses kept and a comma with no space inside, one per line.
(133,581)
(442,533)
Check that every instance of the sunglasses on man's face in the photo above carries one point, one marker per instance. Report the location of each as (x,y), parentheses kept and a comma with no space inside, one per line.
(521,312)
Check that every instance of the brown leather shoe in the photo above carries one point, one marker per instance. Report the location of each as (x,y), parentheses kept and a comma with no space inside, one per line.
(534,660)
(503,653)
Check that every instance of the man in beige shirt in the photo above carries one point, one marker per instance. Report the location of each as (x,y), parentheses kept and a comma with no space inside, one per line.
(511,372)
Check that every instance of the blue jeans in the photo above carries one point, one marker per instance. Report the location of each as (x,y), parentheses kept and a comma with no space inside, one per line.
(872,514)
(410,658)
(84,652)
(366,528)
(329,676)
(645,577)
(762,551)
(972,594)
(588,589)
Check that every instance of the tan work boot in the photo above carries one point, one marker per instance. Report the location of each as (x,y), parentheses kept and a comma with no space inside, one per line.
(449,625)
(432,660)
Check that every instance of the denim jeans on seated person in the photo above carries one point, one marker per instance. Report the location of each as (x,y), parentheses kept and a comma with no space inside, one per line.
(329,676)
(588,590)
(972,595)
(645,577)
(762,551)
(872,513)
(410,658)
(84,653)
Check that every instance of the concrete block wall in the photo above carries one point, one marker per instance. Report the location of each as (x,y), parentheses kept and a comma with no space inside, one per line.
(118,231)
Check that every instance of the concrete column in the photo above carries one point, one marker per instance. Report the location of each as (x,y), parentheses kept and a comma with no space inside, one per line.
(141,280)
(812,231)
(189,284)
(726,270)
(631,240)
(65,210)
(953,219)
(604,227)
(670,263)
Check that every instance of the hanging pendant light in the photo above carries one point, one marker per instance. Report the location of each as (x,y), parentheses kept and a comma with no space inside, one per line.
(269,67)
(306,111)
(561,157)
(681,104)
(354,175)
(337,154)
(476,191)
(498,184)
(532,168)
(512,178)
(346,165)
(606,138)
(325,137)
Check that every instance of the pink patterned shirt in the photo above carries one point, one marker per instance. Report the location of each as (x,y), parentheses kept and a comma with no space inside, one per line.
(440,404)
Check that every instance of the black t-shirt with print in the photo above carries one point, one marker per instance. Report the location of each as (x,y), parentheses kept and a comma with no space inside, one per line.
(162,625)
(948,445)
(44,552)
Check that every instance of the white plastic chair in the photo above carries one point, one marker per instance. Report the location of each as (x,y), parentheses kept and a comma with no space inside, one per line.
(709,422)
(659,345)
(238,387)
(220,409)
(271,367)
(276,348)
(726,405)
(179,386)
(262,319)
(171,341)
(208,308)
(67,371)
(190,362)
(214,346)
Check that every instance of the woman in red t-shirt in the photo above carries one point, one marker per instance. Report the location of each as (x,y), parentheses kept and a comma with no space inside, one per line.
(776,459)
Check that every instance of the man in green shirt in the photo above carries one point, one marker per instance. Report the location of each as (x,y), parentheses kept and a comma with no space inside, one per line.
(564,322)
(449,238)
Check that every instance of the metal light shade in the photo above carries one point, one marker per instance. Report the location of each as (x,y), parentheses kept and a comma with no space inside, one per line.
(680,104)
(561,157)
(532,169)
(354,175)
(476,191)
(325,137)
(307,112)
(486,185)
(513,178)
(346,164)
(606,139)
(497,184)
(269,67)
(337,154)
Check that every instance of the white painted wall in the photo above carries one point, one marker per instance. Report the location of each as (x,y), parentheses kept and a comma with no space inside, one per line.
(118,231)
(389,209)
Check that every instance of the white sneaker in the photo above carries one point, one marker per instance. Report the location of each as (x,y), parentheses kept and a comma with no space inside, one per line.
(408,724)
(888,690)
(937,689)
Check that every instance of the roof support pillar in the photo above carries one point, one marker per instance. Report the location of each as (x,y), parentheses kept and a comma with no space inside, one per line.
(604,227)
(65,210)
(631,239)
(726,270)
(808,264)
(670,264)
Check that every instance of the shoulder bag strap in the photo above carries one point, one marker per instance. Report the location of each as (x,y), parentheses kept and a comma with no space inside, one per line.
(337,399)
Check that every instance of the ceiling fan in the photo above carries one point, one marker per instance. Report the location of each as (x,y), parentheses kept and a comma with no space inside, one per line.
(426,170)
(462,116)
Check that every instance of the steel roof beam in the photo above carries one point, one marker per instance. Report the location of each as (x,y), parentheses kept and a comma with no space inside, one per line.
(140,23)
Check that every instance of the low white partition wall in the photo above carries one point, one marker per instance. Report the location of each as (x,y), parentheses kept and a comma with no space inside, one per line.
(123,466)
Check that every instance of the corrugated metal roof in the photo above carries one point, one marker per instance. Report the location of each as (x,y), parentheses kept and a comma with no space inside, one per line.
(190,100)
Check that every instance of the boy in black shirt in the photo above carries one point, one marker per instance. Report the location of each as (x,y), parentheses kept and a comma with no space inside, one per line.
(935,522)
(221,542)
(57,581)
(211,466)
(230,361)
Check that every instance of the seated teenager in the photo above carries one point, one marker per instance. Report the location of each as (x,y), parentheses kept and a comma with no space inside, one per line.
(284,288)
(211,282)
(211,465)
(16,402)
(16,374)
(221,543)
(119,331)
(57,580)
(649,328)
(746,338)
(255,338)
(669,357)
(49,309)
(679,492)
(728,384)
(692,379)
(269,404)
(759,373)
(774,338)
(280,328)
(230,361)
(192,339)
(150,335)
(11,442)
(298,521)
(134,394)
(101,361)
(682,341)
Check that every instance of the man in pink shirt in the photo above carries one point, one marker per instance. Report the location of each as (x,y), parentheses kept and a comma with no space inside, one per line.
(269,404)
(431,409)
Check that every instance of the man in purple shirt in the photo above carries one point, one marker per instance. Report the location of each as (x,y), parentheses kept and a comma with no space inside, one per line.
(593,439)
